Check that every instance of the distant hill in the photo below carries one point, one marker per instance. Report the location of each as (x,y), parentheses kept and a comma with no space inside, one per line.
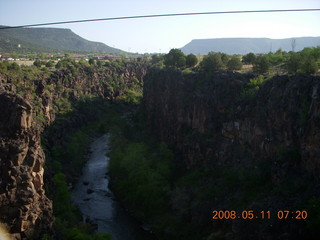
(26,40)
(246,45)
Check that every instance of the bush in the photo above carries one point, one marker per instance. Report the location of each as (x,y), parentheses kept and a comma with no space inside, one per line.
(306,61)
(175,58)
(91,61)
(141,175)
(293,63)
(50,64)
(276,58)
(191,60)
(13,66)
(261,64)
(309,65)
(37,63)
(249,92)
(249,58)
(212,62)
(234,63)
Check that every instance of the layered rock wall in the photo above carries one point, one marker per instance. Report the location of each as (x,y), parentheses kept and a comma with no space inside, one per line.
(23,203)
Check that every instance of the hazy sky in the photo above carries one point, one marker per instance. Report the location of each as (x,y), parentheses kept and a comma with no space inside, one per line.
(162,34)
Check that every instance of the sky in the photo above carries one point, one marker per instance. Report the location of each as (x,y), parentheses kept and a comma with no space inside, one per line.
(161,34)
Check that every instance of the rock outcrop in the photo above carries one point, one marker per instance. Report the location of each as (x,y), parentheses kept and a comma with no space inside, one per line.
(23,203)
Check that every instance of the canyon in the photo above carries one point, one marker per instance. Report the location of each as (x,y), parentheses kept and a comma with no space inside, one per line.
(29,106)
(238,144)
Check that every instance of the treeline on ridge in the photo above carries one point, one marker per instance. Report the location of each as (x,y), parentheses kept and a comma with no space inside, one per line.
(306,61)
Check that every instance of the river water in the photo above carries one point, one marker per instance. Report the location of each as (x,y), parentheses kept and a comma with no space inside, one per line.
(96,201)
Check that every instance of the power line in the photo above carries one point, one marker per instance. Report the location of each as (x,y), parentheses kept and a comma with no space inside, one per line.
(159,15)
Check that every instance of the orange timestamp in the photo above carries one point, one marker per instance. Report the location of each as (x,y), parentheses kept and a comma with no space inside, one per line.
(251,214)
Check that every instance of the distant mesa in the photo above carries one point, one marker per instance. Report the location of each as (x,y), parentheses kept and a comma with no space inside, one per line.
(246,45)
(35,40)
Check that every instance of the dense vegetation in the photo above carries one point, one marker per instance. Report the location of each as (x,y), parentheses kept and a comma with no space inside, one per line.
(307,61)
(143,172)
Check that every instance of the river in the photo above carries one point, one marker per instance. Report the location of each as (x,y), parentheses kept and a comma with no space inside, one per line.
(96,201)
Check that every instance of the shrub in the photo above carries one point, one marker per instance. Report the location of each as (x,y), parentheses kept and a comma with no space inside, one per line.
(212,62)
(305,61)
(175,58)
(191,60)
(37,63)
(50,64)
(249,58)
(13,66)
(249,92)
(234,63)
(261,64)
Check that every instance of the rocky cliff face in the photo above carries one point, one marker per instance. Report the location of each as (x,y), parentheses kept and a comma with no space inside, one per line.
(284,113)
(23,204)
(27,107)
(259,144)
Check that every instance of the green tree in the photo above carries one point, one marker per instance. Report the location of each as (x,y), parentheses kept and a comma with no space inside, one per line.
(249,58)
(37,63)
(276,58)
(212,62)
(309,65)
(262,64)
(13,66)
(50,64)
(224,58)
(234,63)
(62,202)
(249,92)
(175,58)
(59,65)
(308,60)
(293,63)
(91,61)
(304,61)
(191,60)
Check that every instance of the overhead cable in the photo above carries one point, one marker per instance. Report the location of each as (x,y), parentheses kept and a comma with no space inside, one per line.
(159,15)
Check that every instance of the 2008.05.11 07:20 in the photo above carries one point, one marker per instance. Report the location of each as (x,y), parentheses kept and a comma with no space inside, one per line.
(250,214)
